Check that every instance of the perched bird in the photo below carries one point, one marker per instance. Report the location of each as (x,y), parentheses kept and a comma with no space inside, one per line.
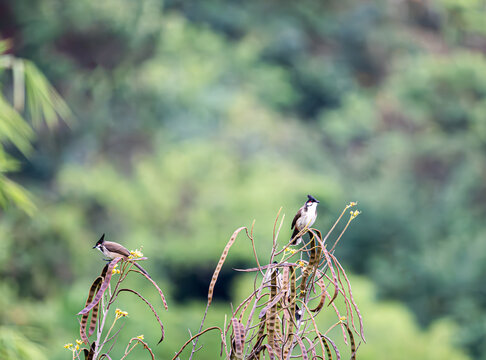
(305,217)
(113,250)
(298,317)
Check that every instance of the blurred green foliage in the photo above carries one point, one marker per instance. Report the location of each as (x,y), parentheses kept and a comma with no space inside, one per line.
(43,103)
(194,118)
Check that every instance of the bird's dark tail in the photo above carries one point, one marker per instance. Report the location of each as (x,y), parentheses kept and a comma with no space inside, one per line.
(295,240)
(141,269)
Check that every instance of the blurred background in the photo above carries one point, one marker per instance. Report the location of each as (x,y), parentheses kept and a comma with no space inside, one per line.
(193,118)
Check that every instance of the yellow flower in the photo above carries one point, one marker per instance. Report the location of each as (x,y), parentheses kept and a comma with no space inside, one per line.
(301,263)
(68,346)
(354,213)
(77,347)
(293,251)
(119,313)
(140,337)
(287,249)
(79,342)
(115,270)
(342,318)
(136,253)
(351,204)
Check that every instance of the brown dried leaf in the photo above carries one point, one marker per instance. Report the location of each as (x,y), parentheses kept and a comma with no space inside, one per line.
(257,348)
(302,348)
(322,285)
(351,340)
(145,346)
(220,264)
(328,350)
(334,277)
(272,303)
(334,346)
(90,354)
(103,288)
(84,319)
(272,312)
(271,352)
(156,286)
(239,337)
(361,332)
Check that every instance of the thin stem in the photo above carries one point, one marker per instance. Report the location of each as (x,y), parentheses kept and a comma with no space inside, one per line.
(126,353)
(109,330)
(340,235)
(197,337)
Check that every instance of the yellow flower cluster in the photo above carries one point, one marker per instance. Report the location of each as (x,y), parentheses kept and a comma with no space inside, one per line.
(301,263)
(72,347)
(351,204)
(342,318)
(140,337)
(354,213)
(115,270)
(119,313)
(135,254)
(292,251)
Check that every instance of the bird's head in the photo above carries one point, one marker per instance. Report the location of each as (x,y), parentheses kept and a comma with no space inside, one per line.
(100,242)
(312,200)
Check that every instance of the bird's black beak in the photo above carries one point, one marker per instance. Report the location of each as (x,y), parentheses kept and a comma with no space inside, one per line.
(94,247)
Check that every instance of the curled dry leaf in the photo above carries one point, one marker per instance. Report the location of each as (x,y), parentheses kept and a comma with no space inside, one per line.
(220,264)
(103,288)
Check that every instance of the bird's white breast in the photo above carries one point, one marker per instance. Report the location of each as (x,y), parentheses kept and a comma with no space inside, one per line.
(308,217)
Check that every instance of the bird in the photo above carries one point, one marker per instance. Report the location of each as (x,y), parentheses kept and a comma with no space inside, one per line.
(298,317)
(113,250)
(305,217)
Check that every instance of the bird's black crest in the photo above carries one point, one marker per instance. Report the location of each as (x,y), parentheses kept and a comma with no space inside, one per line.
(312,198)
(101,240)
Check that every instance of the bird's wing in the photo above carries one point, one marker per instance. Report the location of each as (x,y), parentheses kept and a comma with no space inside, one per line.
(298,215)
(116,248)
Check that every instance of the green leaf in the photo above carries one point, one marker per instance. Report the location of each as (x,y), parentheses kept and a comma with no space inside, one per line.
(13,193)
(43,101)
(14,128)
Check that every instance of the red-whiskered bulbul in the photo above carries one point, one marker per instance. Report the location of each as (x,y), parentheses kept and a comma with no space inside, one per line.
(305,217)
(113,250)
(298,317)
